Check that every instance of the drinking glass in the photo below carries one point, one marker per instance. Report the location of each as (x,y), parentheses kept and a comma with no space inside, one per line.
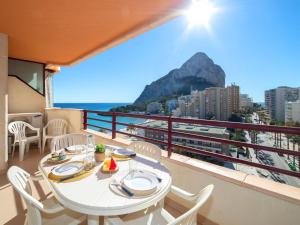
(108,151)
(89,161)
(90,143)
(132,166)
(89,153)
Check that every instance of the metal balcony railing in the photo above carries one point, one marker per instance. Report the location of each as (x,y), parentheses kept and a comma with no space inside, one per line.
(92,115)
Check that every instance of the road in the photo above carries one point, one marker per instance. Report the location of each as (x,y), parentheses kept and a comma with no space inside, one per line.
(268,158)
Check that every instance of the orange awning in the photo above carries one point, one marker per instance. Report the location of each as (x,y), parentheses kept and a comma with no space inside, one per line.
(64,32)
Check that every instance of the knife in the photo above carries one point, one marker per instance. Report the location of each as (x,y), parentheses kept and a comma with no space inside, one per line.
(67,178)
(129,193)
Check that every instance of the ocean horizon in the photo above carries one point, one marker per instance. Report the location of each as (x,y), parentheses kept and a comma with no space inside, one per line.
(91,106)
(101,107)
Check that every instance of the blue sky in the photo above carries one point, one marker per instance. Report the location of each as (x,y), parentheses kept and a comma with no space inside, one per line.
(256,42)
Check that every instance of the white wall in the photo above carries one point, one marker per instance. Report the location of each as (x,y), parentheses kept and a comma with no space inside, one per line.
(72,116)
(22,99)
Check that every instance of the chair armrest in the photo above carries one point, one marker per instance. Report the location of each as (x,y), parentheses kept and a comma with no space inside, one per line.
(54,209)
(45,128)
(51,205)
(113,221)
(37,178)
(183,194)
(34,128)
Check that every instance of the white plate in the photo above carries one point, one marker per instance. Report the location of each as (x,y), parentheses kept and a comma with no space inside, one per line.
(68,169)
(124,152)
(75,148)
(142,183)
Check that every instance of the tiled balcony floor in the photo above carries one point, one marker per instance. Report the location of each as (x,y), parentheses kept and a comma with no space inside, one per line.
(12,210)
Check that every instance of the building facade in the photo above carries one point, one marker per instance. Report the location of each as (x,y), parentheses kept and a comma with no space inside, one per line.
(213,103)
(292,111)
(245,101)
(233,99)
(275,100)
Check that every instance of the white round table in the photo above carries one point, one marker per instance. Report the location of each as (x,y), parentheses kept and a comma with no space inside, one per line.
(93,196)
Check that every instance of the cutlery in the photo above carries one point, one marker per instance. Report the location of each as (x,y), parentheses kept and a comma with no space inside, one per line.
(129,193)
(67,178)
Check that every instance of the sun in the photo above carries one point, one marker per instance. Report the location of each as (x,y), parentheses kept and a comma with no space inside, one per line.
(200,12)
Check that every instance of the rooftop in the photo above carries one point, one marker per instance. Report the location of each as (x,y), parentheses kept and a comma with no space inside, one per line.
(188,127)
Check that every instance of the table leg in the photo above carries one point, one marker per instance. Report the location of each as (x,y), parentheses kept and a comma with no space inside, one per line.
(93,220)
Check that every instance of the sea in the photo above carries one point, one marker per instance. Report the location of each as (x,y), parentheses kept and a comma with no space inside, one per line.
(101,107)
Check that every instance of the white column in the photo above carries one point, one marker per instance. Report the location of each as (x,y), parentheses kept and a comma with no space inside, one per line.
(48,90)
(3,101)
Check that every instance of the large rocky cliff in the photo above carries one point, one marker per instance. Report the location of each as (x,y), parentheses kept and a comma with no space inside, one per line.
(198,73)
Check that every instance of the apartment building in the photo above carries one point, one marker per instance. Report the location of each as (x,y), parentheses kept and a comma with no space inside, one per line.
(245,101)
(275,100)
(212,103)
(233,99)
(216,103)
(292,111)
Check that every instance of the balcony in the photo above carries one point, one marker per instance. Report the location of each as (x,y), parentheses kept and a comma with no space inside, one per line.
(239,198)
(245,191)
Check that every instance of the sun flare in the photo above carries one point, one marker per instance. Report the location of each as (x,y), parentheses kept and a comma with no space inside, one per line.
(200,12)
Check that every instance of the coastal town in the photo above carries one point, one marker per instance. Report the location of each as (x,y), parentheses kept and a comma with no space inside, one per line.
(281,107)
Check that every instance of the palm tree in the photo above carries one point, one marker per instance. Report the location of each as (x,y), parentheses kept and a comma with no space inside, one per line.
(289,136)
(294,141)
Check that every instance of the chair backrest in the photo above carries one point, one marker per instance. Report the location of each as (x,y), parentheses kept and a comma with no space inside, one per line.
(190,217)
(19,179)
(146,148)
(57,127)
(67,140)
(18,128)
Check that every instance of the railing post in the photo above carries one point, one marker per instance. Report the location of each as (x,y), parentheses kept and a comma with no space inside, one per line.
(169,136)
(113,133)
(84,119)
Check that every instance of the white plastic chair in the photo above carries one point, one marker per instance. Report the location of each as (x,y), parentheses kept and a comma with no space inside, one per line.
(54,128)
(146,148)
(67,140)
(159,216)
(18,129)
(48,212)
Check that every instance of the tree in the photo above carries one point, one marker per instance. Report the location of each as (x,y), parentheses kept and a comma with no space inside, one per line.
(289,136)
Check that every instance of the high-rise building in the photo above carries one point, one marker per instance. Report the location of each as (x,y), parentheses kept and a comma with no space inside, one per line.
(233,99)
(245,101)
(275,100)
(292,111)
(212,103)
(216,103)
